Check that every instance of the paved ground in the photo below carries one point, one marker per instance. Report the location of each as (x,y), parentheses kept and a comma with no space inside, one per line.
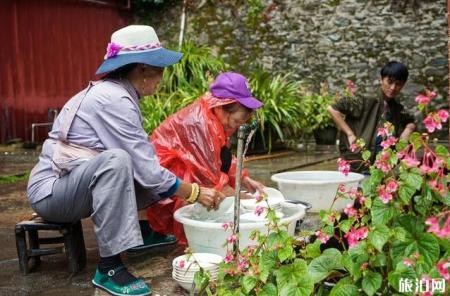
(155,266)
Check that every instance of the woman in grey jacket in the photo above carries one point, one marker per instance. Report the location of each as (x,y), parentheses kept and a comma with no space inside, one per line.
(98,161)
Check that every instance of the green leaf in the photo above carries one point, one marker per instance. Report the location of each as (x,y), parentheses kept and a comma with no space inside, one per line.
(286,252)
(378,236)
(291,272)
(423,243)
(371,282)
(399,233)
(267,264)
(401,144)
(416,140)
(322,266)
(344,290)
(313,250)
(401,272)
(269,290)
(412,178)
(379,260)
(366,155)
(346,224)
(441,151)
(248,283)
(381,213)
(405,193)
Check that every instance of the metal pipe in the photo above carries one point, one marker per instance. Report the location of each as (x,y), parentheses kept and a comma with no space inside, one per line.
(182,25)
(33,125)
(243,131)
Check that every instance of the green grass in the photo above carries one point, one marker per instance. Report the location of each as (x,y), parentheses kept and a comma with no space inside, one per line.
(14,178)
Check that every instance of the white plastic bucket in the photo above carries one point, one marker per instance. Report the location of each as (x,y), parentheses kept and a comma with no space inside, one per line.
(210,237)
(316,187)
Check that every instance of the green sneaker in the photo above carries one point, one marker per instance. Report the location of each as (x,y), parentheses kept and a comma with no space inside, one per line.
(104,282)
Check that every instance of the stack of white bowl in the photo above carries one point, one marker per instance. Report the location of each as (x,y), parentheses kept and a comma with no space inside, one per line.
(274,200)
(185,267)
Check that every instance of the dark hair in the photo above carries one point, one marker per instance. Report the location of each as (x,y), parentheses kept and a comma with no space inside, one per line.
(395,70)
(121,72)
(234,107)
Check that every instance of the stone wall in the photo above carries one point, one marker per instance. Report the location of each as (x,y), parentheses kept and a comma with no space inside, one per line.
(325,40)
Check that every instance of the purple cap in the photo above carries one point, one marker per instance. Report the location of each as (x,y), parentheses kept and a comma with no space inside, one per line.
(231,85)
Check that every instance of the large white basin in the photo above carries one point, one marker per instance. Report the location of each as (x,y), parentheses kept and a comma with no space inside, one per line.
(316,187)
(210,237)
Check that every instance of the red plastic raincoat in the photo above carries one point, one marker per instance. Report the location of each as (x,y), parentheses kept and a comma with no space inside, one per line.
(188,143)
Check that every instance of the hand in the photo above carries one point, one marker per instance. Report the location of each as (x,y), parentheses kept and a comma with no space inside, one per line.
(227,190)
(252,185)
(210,198)
(351,139)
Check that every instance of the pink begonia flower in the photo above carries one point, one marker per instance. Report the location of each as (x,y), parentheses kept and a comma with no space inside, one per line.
(408,156)
(383,166)
(443,267)
(355,235)
(432,122)
(259,198)
(434,227)
(227,225)
(443,115)
(351,211)
(351,87)
(430,163)
(364,266)
(242,263)
(354,147)
(228,257)
(323,237)
(408,262)
(362,199)
(423,99)
(341,188)
(392,186)
(438,187)
(382,132)
(259,210)
(181,264)
(112,50)
(343,166)
(232,239)
(389,142)
(384,195)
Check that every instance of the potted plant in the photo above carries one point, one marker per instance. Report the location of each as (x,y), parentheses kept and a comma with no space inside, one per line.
(395,242)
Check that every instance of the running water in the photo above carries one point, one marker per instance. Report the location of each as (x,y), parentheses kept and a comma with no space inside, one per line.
(247,142)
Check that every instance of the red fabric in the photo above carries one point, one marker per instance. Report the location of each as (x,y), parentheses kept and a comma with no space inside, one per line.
(188,143)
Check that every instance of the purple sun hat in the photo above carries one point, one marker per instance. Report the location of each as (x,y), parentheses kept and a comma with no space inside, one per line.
(232,85)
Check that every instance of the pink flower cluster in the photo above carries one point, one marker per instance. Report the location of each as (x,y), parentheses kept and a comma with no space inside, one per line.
(434,120)
(430,163)
(434,226)
(351,211)
(386,130)
(355,235)
(259,210)
(425,99)
(243,263)
(181,264)
(385,192)
(443,267)
(228,257)
(227,225)
(323,237)
(390,141)
(343,166)
(408,156)
(382,162)
(232,239)
(438,187)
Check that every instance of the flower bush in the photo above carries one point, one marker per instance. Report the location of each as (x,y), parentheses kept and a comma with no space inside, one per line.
(393,238)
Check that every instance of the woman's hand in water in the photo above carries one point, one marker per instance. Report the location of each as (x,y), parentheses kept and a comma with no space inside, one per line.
(210,198)
(252,185)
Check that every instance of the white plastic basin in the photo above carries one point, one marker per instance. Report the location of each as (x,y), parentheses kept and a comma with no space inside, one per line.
(316,187)
(210,237)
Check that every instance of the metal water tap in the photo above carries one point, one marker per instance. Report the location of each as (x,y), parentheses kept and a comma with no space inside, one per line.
(243,131)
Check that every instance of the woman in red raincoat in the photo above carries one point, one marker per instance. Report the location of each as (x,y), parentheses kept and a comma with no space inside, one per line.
(194,144)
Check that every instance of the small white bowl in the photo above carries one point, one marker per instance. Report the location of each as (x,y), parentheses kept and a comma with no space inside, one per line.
(193,262)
